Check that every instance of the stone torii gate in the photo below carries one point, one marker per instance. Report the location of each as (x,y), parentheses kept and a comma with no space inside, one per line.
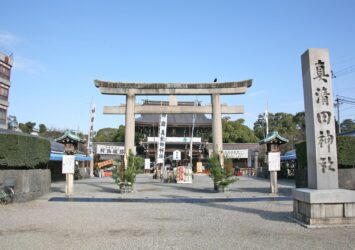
(130,90)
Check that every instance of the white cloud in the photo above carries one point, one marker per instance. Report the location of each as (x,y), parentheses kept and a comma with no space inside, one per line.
(7,39)
(27,65)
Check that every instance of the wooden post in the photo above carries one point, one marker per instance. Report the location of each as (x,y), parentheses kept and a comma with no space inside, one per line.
(273,182)
(69,187)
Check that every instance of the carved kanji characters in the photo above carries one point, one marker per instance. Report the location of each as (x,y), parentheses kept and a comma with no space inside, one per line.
(320,70)
(326,163)
(324,117)
(322,96)
(325,139)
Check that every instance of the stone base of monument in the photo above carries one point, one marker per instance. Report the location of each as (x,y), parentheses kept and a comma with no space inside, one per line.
(314,208)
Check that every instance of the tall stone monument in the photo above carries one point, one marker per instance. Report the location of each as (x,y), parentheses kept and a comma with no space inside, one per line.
(322,202)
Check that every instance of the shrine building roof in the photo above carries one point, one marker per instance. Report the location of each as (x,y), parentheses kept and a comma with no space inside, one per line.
(274,137)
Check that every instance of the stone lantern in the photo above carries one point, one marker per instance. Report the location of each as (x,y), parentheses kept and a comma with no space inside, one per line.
(71,146)
(273,141)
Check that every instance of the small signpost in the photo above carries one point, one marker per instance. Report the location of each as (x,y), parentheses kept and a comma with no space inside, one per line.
(274,161)
(177,155)
(147,164)
(273,141)
(70,142)
(68,165)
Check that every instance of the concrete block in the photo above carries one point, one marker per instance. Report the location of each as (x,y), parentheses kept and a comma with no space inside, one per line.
(317,211)
(324,196)
(334,210)
(29,183)
(349,210)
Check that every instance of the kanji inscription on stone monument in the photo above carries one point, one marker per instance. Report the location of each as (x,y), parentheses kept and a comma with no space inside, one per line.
(320,126)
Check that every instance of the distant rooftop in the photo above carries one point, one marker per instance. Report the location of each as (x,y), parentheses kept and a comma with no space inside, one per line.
(274,137)
(173,119)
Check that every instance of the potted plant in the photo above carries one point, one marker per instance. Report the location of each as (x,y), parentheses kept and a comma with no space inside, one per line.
(220,176)
(125,178)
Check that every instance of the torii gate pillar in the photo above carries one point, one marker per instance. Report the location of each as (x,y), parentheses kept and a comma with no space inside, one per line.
(217,127)
(129,126)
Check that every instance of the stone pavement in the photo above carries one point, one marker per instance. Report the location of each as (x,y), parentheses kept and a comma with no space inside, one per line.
(164,216)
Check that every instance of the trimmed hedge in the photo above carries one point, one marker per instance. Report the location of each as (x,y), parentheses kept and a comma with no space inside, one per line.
(346,152)
(23,151)
(301,152)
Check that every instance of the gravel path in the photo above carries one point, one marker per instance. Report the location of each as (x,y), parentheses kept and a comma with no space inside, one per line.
(257,224)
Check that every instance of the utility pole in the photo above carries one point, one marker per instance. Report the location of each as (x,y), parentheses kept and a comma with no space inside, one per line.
(342,100)
(337,100)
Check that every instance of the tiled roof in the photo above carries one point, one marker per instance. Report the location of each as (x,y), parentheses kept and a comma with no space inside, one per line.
(274,137)
(71,136)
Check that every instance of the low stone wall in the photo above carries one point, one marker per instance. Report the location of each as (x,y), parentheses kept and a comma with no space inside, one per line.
(346,178)
(29,184)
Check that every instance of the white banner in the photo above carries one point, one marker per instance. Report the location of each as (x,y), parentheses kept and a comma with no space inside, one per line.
(162,138)
(109,149)
(274,161)
(236,154)
(175,139)
(68,164)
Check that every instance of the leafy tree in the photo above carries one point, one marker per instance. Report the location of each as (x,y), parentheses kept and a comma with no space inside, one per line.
(52,133)
(347,125)
(237,132)
(106,135)
(300,120)
(120,136)
(42,128)
(27,127)
(289,126)
(260,127)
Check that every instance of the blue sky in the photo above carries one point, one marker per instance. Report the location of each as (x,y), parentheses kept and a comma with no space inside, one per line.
(61,47)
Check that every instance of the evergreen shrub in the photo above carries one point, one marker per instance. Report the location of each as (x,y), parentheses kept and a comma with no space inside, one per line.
(345,147)
(23,151)
(346,151)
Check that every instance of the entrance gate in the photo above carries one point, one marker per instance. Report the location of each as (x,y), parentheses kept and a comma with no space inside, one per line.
(130,90)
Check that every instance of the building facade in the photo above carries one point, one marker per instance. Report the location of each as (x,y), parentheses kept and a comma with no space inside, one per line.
(5,73)
(181,128)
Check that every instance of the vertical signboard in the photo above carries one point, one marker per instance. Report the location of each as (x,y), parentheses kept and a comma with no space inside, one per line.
(177,155)
(68,164)
(274,161)
(162,138)
(91,128)
(320,125)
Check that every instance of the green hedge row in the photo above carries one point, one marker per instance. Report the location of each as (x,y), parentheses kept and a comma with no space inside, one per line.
(23,151)
(346,152)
